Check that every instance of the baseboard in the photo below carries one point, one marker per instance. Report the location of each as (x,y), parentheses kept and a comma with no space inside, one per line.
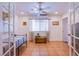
(55,40)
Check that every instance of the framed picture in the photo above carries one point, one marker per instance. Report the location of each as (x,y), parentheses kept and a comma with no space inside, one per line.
(24,23)
(5,15)
(55,22)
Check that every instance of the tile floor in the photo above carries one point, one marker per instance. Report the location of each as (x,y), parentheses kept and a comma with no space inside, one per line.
(41,49)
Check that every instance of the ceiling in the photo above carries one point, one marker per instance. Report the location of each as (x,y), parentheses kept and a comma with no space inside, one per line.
(31,8)
(52,8)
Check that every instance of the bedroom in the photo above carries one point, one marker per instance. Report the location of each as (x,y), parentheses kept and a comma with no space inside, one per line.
(36,28)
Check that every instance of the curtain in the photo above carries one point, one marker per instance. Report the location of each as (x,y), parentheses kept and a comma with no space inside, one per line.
(39,25)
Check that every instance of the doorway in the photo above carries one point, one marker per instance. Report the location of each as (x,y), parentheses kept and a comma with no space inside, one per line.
(65,29)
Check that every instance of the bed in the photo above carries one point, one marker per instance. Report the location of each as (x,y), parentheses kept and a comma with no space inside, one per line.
(19,39)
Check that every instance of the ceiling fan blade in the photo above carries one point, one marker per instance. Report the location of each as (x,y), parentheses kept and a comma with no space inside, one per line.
(41,10)
(44,11)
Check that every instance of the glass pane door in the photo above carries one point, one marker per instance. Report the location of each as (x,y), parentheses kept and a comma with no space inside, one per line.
(7,28)
(74,29)
(77,27)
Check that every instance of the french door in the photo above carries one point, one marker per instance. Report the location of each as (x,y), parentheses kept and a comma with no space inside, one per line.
(7,42)
(74,25)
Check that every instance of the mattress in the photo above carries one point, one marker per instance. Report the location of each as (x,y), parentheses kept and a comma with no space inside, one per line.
(20,40)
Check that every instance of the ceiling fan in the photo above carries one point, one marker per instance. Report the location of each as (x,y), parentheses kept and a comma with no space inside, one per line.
(41,11)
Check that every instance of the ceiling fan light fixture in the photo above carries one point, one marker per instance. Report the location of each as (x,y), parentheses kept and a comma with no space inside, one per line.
(56,12)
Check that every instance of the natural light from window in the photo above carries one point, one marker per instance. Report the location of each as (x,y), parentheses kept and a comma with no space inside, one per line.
(39,25)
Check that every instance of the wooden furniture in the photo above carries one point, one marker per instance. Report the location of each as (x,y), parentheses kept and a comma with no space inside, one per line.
(40,39)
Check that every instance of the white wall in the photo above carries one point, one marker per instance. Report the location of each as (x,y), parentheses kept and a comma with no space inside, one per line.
(55,31)
(67,15)
(19,28)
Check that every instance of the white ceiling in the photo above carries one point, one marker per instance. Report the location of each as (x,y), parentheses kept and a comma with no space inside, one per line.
(49,7)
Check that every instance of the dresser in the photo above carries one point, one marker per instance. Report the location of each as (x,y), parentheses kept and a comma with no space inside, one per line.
(40,39)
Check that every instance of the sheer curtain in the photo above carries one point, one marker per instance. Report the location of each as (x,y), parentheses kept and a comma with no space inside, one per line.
(39,25)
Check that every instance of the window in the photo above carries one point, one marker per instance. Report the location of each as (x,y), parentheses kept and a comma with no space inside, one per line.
(39,25)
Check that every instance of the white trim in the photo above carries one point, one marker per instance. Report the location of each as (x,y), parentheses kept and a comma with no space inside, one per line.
(8,50)
(71,47)
(74,37)
(74,50)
